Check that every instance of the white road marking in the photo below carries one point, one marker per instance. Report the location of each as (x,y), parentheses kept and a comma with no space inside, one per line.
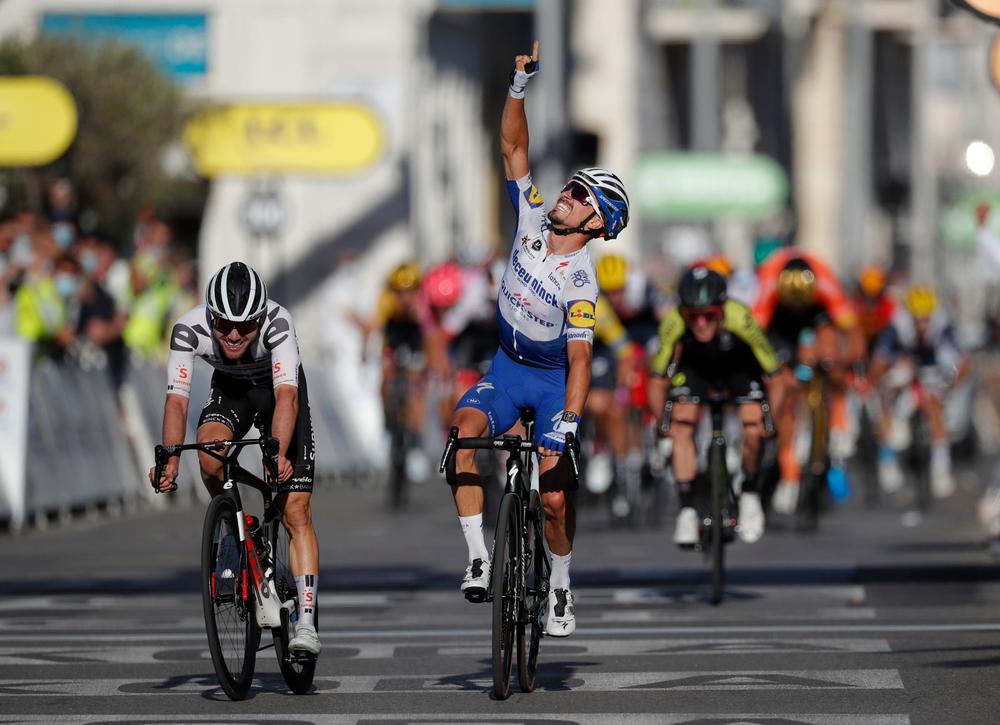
(483,718)
(740,680)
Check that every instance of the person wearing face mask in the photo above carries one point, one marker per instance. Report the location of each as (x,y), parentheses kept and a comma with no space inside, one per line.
(155,290)
(43,307)
(100,322)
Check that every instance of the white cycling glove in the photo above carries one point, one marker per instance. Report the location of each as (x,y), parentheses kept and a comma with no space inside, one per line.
(519,78)
(555,440)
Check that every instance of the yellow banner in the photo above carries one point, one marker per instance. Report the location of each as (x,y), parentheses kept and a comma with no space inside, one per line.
(37,120)
(321,138)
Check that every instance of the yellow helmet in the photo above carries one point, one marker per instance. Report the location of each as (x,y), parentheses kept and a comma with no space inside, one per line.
(797,284)
(720,263)
(921,301)
(405,278)
(872,280)
(612,271)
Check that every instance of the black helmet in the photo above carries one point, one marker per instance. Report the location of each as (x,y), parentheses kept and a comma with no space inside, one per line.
(701,287)
(236,293)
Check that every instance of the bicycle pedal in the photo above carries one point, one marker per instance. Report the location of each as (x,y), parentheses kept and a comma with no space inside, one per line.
(475,596)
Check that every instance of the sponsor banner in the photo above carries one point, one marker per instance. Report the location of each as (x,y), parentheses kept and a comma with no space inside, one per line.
(37,120)
(14,375)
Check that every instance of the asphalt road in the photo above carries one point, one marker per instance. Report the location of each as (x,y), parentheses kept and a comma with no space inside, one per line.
(865,621)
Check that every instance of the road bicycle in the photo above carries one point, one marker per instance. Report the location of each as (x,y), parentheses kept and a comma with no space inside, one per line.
(719,519)
(246,581)
(519,578)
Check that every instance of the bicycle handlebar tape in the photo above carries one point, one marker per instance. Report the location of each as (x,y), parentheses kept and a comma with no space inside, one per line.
(270,446)
(571,447)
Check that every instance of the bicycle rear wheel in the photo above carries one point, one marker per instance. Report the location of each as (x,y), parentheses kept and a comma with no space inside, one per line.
(506,593)
(297,671)
(720,488)
(227,600)
(529,628)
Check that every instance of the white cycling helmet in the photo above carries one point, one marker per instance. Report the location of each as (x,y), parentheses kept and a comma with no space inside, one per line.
(609,193)
(236,293)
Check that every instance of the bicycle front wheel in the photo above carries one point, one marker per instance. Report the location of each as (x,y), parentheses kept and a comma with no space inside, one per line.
(720,487)
(298,671)
(506,593)
(227,599)
(529,631)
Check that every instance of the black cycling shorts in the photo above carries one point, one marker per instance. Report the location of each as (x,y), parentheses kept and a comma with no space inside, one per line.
(235,404)
(688,385)
(603,368)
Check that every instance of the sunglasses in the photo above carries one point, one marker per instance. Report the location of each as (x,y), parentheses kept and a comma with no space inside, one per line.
(709,314)
(227,326)
(579,193)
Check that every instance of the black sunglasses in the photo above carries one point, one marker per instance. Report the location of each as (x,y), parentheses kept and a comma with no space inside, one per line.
(579,193)
(227,326)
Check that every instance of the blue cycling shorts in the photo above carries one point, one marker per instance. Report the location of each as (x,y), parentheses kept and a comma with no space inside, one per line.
(509,387)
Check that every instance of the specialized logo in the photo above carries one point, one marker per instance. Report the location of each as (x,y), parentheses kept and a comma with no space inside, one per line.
(581,314)
(533,198)
(580,278)
(481,386)
(537,245)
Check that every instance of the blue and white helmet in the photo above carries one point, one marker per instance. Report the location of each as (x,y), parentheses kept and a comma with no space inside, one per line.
(609,193)
(236,293)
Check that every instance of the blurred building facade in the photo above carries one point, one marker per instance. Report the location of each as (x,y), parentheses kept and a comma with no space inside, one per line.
(866,105)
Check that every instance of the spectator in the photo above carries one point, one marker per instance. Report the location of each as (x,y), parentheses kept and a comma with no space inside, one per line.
(46,306)
(101,322)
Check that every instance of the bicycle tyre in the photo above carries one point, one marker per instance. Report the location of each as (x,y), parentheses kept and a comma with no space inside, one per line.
(506,597)
(720,485)
(529,629)
(233,645)
(298,674)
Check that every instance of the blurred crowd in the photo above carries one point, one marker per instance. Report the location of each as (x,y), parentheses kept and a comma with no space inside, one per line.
(78,296)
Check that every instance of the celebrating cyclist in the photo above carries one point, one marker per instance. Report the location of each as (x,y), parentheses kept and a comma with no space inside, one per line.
(801,300)
(711,343)
(920,343)
(545,312)
(250,342)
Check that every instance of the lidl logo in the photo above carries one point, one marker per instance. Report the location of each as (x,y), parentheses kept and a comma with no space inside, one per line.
(533,196)
(581,314)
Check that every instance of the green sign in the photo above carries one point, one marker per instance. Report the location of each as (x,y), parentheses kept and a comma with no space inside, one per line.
(958,223)
(704,186)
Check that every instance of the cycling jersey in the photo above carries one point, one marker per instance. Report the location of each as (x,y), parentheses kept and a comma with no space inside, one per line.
(831,299)
(874,315)
(545,299)
(273,357)
(739,334)
(939,347)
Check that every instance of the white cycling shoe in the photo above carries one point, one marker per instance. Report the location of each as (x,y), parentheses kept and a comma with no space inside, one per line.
(890,474)
(686,528)
(476,581)
(942,481)
(560,615)
(786,497)
(305,640)
(751,521)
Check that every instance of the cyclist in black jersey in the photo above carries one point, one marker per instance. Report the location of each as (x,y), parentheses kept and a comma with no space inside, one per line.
(711,343)
(250,341)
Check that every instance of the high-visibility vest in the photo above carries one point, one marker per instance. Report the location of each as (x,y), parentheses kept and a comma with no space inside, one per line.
(40,312)
(144,331)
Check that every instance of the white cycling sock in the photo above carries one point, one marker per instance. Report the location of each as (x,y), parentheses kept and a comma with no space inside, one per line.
(941,456)
(559,579)
(306,585)
(472,529)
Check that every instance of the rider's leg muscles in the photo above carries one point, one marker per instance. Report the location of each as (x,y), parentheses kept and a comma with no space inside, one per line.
(683,418)
(752,417)
(466,484)
(784,391)
(211,468)
(303,551)
(554,476)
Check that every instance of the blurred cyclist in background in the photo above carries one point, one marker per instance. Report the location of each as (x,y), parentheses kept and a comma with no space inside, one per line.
(628,315)
(711,343)
(800,299)
(919,345)
(873,304)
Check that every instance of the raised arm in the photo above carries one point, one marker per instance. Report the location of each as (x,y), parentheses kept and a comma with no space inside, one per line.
(513,122)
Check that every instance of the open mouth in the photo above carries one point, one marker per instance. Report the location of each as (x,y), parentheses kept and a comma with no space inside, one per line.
(232,346)
(562,208)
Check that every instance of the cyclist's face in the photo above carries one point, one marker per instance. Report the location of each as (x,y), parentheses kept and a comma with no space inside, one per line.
(234,338)
(573,206)
(704,323)
(922,325)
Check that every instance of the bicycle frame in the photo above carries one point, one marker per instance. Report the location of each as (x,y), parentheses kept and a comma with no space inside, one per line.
(267,608)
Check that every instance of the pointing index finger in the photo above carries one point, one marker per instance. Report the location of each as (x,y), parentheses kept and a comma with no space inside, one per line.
(534,51)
